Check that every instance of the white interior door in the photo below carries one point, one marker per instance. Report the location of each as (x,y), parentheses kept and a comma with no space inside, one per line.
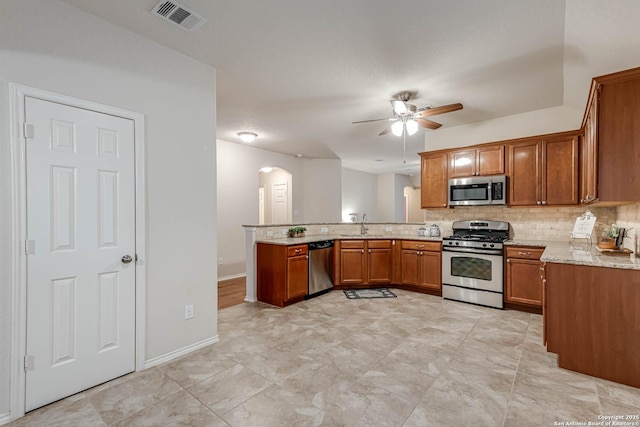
(80,226)
(280,204)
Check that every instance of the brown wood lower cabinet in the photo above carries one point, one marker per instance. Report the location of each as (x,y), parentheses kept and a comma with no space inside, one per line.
(523,285)
(592,320)
(282,273)
(421,265)
(365,262)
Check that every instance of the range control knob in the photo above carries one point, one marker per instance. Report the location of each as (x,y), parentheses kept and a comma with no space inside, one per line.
(484,245)
(492,245)
(457,243)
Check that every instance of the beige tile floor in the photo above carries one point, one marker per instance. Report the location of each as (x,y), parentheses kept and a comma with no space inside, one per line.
(415,360)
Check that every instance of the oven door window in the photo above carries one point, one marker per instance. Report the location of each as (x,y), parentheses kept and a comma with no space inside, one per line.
(471,267)
(470,192)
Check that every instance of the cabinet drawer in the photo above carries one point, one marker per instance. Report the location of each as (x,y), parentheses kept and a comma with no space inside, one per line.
(379,244)
(352,244)
(524,252)
(421,246)
(297,250)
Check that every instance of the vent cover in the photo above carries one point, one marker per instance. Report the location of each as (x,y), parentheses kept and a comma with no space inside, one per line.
(179,15)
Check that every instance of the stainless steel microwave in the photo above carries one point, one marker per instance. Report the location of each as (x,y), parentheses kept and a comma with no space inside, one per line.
(478,190)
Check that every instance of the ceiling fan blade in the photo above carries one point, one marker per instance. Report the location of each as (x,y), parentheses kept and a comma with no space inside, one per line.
(399,107)
(428,124)
(373,120)
(439,110)
(385,131)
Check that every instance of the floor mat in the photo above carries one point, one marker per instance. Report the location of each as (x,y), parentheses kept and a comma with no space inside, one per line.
(368,293)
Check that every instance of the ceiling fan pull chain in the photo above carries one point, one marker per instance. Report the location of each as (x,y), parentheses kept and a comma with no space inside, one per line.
(404,147)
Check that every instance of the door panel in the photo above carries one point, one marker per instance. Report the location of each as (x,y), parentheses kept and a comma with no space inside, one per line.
(80,213)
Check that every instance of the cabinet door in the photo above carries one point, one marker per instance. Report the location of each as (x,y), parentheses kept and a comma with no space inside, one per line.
(560,174)
(462,163)
(352,265)
(433,193)
(524,285)
(490,160)
(297,276)
(431,267)
(589,155)
(379,266)
(410,268)
(524,173)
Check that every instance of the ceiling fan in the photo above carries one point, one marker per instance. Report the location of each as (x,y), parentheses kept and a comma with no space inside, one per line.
(408,117)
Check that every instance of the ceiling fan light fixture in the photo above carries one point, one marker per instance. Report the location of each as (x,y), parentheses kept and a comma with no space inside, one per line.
(397,128)
(247,137)
(399,107)
(412,126)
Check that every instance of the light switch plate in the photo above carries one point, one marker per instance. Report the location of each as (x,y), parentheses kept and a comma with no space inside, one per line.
(324,229)
(188,312)
(389,228)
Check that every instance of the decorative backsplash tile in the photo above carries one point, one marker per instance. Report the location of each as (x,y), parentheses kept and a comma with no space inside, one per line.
(543,223)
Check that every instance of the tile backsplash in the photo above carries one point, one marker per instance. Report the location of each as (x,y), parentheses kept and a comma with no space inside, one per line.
(543,223)
(628,216)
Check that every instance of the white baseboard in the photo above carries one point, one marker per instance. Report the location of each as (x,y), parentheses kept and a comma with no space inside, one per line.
(5,418)
(233,276)
(180,352)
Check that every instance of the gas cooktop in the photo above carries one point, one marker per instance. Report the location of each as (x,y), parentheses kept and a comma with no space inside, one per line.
(477,234)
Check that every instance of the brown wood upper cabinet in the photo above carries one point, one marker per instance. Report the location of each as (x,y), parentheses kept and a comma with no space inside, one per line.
(434,187)
(543,171)
(611,147)
(476,162)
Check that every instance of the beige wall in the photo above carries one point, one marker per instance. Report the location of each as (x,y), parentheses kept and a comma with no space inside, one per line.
(53,46)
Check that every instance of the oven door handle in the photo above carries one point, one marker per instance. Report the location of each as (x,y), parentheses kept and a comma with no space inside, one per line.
(473,251)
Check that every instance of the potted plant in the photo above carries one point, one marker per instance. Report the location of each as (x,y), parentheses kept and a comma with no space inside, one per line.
(297,231)
(612,237)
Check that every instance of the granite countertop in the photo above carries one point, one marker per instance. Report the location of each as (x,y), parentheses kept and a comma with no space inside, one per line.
(318,237)
(584,254)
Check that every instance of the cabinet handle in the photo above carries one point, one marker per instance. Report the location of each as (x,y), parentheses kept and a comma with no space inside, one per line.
(544,202)
(508,260)
(444,206)
(362,250)
(538,203)
(524,253)
(542,268)
(581,200)
(369,250)
(420,246)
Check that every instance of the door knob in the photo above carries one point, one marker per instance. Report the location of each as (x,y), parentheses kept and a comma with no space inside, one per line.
(126,259)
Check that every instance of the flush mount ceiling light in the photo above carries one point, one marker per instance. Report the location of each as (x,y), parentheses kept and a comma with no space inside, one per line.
(266,169)
(247,136)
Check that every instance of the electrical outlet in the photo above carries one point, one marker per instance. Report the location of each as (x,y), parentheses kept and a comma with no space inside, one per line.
(389,228)
(324,229)
(269,233)
(284,232)
(220,261)
(188,312)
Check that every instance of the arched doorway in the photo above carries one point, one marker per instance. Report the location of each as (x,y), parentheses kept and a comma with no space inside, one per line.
(275,196)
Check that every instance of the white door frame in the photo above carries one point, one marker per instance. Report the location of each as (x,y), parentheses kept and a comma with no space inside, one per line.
(19,236)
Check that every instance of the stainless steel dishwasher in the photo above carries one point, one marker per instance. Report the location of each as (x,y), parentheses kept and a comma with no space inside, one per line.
(320,267)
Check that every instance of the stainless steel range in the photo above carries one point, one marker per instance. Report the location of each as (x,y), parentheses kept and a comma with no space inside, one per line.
(473,262)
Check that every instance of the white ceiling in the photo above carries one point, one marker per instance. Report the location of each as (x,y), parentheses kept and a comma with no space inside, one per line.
(299,72)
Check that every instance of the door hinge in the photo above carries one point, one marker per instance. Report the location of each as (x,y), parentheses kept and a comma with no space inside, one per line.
(28,130)
(30,247)
(29,362)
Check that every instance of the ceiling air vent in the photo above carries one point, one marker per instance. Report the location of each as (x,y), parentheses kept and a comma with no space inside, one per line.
(179,15)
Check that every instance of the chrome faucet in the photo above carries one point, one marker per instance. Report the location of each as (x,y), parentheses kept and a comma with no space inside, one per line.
(363,229)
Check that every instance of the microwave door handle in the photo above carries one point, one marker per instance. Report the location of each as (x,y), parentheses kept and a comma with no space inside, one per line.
(489,196)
